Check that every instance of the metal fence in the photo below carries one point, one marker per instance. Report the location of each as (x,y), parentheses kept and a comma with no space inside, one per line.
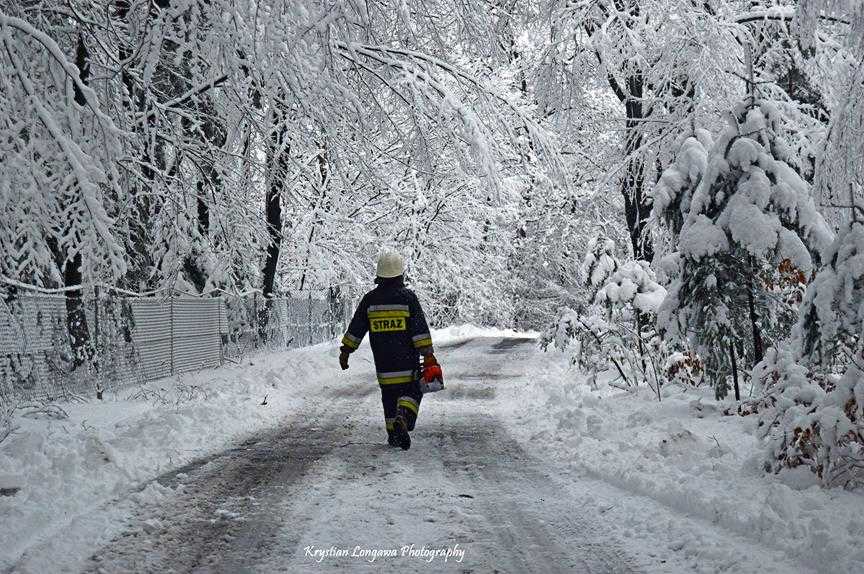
(138,339)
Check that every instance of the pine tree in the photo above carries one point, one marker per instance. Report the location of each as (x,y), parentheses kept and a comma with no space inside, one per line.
(673,193)
(829,330)
(750,218)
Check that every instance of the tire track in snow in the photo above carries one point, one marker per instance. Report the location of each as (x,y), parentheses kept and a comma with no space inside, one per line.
(465,481)
(221,515)
(520,521)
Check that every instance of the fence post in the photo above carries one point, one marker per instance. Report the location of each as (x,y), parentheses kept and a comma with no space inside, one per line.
(255,318)
(171,329)
(309,316)
(220,302)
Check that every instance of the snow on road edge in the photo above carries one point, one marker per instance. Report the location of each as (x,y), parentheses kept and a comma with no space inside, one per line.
(104,450)
(684,454)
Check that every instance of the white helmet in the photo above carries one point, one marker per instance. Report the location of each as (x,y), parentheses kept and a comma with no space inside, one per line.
(390,264)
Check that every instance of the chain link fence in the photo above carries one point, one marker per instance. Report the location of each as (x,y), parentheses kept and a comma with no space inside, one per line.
(132,340)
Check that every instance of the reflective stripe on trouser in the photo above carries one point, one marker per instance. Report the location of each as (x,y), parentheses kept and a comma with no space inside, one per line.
(395,378)
(408,403)
(401,399)
(388,423)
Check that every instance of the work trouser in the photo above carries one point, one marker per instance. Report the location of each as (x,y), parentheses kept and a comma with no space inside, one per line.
(404,399)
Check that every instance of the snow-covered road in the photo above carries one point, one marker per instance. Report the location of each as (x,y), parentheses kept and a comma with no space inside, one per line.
(516,467)
(300,496)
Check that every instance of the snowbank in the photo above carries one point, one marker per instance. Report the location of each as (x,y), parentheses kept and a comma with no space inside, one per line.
(683,453)
(459,333)
(104,450)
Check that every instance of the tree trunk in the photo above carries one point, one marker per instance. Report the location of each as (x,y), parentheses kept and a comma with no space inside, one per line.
(734,371)
(637,206)
(630,91)
(278,159)
(273,215)
(192,267)
(76,318)
(324,172)
(139,247)
(758,345)
(207,186)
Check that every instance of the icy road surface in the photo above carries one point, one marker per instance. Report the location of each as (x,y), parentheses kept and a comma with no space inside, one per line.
(285,499)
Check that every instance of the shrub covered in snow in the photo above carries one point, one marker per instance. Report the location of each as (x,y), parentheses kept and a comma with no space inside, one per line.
(561,335)
(814,420)
(818,416)
(832,314)
(632,284)
(585,337)
(599,263)
(630,300)
(750,216)
(616,331)
(685,369)
(816,395)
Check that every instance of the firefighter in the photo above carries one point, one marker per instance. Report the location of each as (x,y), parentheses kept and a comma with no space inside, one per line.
(399,336)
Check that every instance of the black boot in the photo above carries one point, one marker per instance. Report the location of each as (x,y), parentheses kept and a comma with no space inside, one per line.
(391,438)
(400,430)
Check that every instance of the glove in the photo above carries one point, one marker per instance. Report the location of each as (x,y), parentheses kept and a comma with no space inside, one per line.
(433,377)
(343,360)
(432,372)
(431,369)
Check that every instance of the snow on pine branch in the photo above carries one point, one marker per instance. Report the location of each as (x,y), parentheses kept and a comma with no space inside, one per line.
(769,213)
(633,283)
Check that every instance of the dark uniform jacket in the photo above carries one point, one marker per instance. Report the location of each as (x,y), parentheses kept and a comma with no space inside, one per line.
(397,328)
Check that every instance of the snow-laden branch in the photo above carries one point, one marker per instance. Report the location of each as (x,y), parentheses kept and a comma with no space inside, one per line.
(75,157)
(380,53)
(184,98)
(782,13)
(71,71)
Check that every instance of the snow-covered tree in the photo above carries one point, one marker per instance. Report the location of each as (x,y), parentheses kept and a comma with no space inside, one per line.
(275,146)
(812,387)
(632,284)
(750,218)
(239,163)
(832,318)
(672,194)
(812,418)
(615,331)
